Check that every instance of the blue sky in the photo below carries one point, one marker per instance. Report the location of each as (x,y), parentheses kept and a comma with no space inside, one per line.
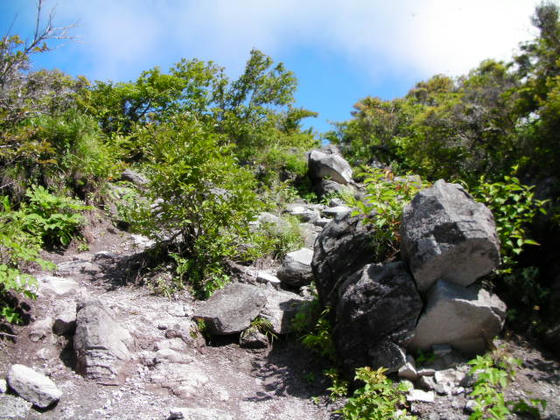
(340,50)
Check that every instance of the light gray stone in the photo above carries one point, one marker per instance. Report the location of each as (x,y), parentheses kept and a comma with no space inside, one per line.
(421,396)
(171,356)
(280,309)
(465,318)
(57,286)
(268,277)
(329,165)
(303,212)
(408,370)
(332,212)
(12,407)
(102,345)
(296,268)
(40,329)
(33,386)
(447,235)
(252,338)
(3,386)
(231,309)
(65,321)
(309,232)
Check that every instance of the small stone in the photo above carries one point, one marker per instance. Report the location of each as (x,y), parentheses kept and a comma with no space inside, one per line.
(267,277)
(40,329)
(33,386)
(419,395)
(471,406)
(252,338)
(3,386)
(408,370)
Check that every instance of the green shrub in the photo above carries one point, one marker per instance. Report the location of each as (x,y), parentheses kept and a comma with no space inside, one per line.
(379,398)
(386,196)
(270,239)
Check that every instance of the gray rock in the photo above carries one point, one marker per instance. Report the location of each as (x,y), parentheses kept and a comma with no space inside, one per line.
(408,370)
(296,268)
(333,212)
(135,177)
(376,316)
(275,222)
(252,338)
(33,386)
(268,277)
(329,165)
(322,222)
(323,187)
(231,310)
(465,318)
(57,286)
(100,342)
(3,386)
(65,322)
(12,407)
(419,395)
(447,235)
(280,309)
(309,232)
(303,212)
(171,356)
(344,246)
(40,329)
(198,414)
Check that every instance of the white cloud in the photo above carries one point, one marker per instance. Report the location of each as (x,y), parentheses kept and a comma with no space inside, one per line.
(377,36)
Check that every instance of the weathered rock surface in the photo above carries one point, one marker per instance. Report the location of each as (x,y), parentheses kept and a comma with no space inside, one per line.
(327,164)
(296,268)
(58,286)
(33,386)
(65,321)
(280,309)
(40,329)
(231,310)
(100,342)
(12,407)
(465,318)
(332,212)
(198,414)
(376,316)
(447,235)
(303,212)
(343,247)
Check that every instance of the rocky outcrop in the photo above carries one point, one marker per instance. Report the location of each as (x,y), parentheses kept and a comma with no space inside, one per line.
(33,386)
(376,316)
(100,342)
(465,318)
(231,310)
(447,235)
(329,164)
(343,247)
(296,268)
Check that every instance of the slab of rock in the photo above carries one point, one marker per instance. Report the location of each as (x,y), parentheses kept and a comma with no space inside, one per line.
(332,212)
(419,395)
(465,318)
(57,286)
(280,309)
(376,316)
(40,329)
(268,277)
(326,164)
(102,345)
(33,386)
(323,187)
(447,235)
(344,246)
(231,309)
(296,268)
(12,407)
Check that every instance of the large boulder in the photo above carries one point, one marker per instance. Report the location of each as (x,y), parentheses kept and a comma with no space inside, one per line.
(101,343)
(33,386)
(376,316)
(344,246)
(231,309)
(447,235)
(463,317)
(280,309)
(296,268)
(328,164)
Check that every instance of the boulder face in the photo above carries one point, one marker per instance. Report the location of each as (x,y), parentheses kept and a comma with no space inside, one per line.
(231,309)
(101,344)
(33,386)
(447,235)
(464,317)
(327,164)
(296,268)
(376,316)
(344,246)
